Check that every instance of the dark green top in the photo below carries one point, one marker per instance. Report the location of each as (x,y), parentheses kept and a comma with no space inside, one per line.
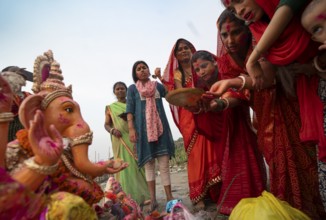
(295,5)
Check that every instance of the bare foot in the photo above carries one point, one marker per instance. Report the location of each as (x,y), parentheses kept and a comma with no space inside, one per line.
(154,206)
(199,206)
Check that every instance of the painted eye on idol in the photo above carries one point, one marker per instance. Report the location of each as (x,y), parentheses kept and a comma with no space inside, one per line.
(69,110)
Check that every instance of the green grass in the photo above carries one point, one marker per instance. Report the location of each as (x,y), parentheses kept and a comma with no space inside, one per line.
(180,155)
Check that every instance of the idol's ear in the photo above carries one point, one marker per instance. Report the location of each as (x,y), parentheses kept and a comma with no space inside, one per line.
(28,109)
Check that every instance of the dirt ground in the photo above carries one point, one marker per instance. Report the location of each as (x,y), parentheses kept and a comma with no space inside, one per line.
(180,190)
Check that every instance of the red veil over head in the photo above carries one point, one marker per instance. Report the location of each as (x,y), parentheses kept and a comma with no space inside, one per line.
(172,65)
(295,44)
(292,43)
(168,76)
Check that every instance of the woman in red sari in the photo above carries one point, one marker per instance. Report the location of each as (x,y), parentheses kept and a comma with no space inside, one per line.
(243,170)
(292,164)
(275,25)
(204,163)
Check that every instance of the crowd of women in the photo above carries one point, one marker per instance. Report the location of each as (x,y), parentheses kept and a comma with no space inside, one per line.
(260,124)
(267,61)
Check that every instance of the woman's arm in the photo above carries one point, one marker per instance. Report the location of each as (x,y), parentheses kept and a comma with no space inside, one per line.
(277,25)
(131,127)
(108,120)
(244,82)
(108,124)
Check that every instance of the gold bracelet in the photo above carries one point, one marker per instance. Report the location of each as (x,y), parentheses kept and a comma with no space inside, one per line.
(6,117)
(45,170)
(111,130)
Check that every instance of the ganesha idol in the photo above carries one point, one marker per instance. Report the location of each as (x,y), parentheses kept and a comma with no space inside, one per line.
(75,172)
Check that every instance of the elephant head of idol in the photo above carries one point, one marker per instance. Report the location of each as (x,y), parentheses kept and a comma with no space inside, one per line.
(55,100)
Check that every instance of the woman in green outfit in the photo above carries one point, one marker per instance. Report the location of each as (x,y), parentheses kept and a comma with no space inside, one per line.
(116,125)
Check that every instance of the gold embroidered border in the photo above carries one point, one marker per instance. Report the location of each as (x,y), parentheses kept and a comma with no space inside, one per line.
(203,194)
(192,141)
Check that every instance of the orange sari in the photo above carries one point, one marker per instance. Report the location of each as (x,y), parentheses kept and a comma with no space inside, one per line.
(204,163)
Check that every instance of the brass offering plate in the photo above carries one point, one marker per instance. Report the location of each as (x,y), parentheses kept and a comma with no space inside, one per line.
(184,96)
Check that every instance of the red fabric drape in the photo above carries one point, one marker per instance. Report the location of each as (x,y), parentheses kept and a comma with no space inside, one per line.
(295,45)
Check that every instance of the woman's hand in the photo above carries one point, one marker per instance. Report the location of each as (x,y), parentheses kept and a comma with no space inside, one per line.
(111,170)
(47,148)
(132,135)
(116,133)
(256,73)
(219,88)
(6,96)
(157,73)
(217,105)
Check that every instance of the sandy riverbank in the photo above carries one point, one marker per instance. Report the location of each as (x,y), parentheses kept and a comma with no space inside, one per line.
(180,190)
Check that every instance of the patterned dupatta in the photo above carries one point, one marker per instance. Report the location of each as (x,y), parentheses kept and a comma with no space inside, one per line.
(153,122)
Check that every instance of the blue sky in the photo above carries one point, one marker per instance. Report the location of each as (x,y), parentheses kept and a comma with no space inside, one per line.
(97,42)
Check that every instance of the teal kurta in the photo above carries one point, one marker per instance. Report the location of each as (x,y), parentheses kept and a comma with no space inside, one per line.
(136,105)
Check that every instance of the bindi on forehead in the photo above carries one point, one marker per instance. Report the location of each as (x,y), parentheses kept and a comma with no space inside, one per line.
(228,27)
(321,16)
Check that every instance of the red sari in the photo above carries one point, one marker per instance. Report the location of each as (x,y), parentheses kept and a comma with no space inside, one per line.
(293,45)
(243,169)
(292,164)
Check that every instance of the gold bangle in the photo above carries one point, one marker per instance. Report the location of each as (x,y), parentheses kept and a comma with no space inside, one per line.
(111,130)
(6,117)
(45,170)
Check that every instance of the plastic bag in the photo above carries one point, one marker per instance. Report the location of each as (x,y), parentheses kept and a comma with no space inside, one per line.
(179,212)
(266,207)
